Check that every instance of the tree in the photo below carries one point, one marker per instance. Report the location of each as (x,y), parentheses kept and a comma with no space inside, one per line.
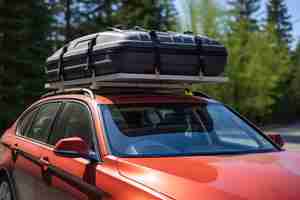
(243,27)
(75,18)
(189,19)
(278,22)
(202,17)
(207,18)
(149,14)
(296,55)
(277,16)
(68,19)
(96,15)
(243,12)
(65,13)
(254,73)
(244,23)
(24,28)
(294,89)
(253,88)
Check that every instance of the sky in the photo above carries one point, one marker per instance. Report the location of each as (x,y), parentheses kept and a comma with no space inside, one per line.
(294,11)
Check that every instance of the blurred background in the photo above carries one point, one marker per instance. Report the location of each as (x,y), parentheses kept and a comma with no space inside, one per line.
(261,35)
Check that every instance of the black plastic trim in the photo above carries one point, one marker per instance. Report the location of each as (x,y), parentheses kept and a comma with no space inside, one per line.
(252,125)
(91,190)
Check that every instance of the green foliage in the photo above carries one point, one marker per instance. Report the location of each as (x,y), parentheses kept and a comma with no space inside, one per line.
(190,15)
(154,14)
(279,18)
(30,30)
(90,16)
(296,55)
(203,17)
(294,89)
(255,74)
(243,12)
(261,77)
(24,28)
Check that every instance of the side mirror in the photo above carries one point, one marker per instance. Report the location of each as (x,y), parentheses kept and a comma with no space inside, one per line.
(74,147)
(276,138)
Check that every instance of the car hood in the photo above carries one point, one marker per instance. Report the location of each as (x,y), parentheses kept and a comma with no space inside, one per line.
(267,176)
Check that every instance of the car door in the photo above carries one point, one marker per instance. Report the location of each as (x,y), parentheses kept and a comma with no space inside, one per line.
(73,177)
(33,130)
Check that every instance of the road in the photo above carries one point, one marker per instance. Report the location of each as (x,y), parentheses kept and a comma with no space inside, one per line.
(291,135)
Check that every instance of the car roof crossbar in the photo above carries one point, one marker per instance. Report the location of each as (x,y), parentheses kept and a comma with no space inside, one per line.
(136,81)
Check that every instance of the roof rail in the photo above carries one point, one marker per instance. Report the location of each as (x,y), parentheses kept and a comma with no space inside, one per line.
(83,91)
(120,90)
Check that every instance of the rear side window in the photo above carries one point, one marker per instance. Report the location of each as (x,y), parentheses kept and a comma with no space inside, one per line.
(42,122)
(75,121)
(26,122)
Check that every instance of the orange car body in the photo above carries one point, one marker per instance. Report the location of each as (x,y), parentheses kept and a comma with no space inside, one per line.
(261,176)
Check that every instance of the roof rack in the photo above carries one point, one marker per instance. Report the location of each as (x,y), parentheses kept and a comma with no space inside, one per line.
(126,80)
(91,93)
(130,83)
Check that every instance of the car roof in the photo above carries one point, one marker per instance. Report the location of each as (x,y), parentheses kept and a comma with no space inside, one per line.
(132,98)
(155,98)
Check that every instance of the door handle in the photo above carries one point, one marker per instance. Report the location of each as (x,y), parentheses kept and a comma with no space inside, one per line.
(45,169)
(14,151)
(45,161)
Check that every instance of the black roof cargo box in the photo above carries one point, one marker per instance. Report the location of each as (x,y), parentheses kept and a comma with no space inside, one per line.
(136,52)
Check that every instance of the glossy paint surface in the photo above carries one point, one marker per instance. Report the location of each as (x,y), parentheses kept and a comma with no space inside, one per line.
(267,176)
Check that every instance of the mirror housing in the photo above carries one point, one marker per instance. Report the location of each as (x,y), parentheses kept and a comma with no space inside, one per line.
(73,147)
(276,138)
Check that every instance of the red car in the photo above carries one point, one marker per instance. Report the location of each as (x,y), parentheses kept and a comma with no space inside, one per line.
(142,146)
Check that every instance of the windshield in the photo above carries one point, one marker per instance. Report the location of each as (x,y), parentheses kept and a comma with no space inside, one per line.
(156,130)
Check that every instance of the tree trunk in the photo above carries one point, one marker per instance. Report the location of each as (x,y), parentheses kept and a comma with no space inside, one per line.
(68,21)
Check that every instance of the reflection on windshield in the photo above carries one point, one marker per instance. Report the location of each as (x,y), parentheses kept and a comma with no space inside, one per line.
(178,129)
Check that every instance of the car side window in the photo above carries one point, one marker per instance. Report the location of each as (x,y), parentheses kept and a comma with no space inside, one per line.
(26,121)
(75,121)
(42,122)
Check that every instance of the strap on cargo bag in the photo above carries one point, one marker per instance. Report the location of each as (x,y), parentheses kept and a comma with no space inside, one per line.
(157,62)
(198,42)
(60,63)
(90,68)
